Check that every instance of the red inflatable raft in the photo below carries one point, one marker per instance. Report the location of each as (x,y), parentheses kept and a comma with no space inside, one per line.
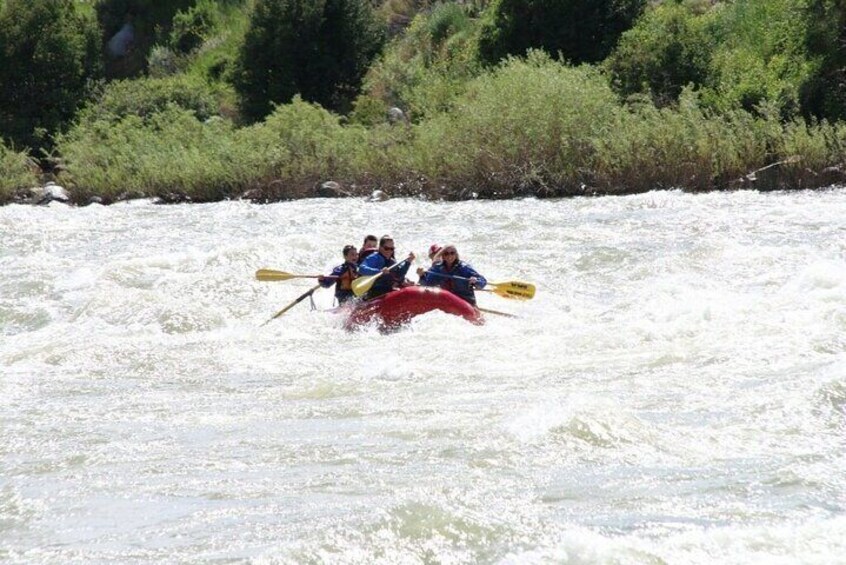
(399,306)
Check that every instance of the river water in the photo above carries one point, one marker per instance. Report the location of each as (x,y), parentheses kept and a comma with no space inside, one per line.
(675,393)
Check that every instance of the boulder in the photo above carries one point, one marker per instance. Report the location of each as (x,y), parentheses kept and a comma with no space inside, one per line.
(378,196)
(53,191)
(43,195)
(330,189)
(396,115)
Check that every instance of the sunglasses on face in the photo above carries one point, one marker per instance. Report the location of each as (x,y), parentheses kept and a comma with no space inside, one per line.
(387,248)
(448,253)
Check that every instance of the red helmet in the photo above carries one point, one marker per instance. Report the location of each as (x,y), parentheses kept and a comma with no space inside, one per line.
(434,249)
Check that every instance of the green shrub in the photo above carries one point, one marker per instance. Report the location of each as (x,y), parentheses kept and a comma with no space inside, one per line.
(427,68)
(581,31)
(301,144)
(17,171)
(762,56)
(680,147)
(526,128)
(48,55)
(192,27)
(319,49)
(445,21)
(146,97)
(164,62)
(670,47)
(174,156)
(170,154)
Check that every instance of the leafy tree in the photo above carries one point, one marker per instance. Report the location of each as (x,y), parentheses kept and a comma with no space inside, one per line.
(824,94)
(669,47)
(319,49)
(48,53)
(582,31)
(761,56)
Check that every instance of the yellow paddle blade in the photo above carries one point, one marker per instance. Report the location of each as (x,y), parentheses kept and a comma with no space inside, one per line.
(515,290)
(363,284)
(271,275)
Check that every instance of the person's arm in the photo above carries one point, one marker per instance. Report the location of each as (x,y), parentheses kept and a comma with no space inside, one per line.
(372,265)
(405,264)
(469,272)
(432,277)
(329,280)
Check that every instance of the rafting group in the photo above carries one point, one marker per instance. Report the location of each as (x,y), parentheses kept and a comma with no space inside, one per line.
(371,285)
(378,261)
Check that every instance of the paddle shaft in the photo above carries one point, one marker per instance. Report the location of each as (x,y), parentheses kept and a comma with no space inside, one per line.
(512,289)
(299,299)
(497,312)
(273,275)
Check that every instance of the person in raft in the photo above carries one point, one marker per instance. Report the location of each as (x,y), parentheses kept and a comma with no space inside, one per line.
(434,257)
(368,248)
(342,275)
(382,262)
(441,274)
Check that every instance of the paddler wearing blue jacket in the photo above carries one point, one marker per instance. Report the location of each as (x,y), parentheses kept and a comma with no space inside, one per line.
(342,275)
(441,274)
(382,262)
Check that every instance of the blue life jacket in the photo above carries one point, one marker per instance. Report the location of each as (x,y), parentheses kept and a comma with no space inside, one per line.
(439,275)
(373,264)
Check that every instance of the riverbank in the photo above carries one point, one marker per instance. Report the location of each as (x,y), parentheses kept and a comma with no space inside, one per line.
(531,128)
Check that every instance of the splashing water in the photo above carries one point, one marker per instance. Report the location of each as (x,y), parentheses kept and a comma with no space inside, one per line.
(676,392)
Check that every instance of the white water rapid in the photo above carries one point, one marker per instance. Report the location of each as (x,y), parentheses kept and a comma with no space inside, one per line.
(675,393)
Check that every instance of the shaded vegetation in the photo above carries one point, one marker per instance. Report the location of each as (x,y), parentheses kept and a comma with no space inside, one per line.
(151,22)
(49,54)
(319,49)
(824,94)
(580,31)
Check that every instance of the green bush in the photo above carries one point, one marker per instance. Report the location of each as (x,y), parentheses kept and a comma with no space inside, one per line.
(319,49)
(526,128)
(192,27)
(680,147)
(48,55)
(147,97)
(17,171)
(174,156)
(581,31)
(536,127)
(302,143)
(164,62)
(670,47)
(445,21)
(424,70)
(170,154)
(762,56)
